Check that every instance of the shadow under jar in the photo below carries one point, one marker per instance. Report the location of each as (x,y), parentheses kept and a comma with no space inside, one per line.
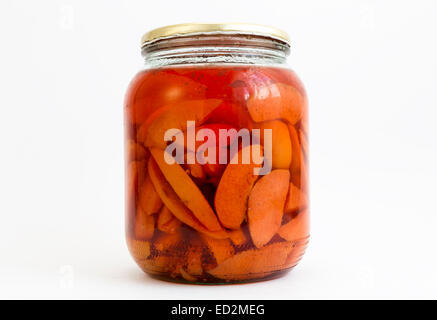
(216,142)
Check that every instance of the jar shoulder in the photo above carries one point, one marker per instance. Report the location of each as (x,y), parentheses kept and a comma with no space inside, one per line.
(181,77)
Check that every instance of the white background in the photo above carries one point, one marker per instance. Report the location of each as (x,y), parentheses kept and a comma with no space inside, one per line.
(370,71)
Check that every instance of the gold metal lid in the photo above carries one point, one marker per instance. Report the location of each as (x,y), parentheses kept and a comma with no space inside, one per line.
(213,28)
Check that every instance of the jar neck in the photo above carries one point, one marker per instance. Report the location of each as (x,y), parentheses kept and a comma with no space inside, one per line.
(216,49)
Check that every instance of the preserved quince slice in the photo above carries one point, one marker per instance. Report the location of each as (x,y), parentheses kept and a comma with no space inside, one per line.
(167,222)
(175,117)
(139,249)
(254,263)
(176,206)
(296,199)
(221,249)
(144,225)
(297,162)
(296,228)
(238,237)
(281,143)
(276,101)
(149,199)
(187,190)
(266,206)
(153,90)
(234,188)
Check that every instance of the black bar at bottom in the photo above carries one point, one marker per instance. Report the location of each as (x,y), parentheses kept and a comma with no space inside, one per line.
(215,309)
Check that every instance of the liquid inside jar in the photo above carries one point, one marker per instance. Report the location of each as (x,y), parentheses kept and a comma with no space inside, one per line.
(217,177)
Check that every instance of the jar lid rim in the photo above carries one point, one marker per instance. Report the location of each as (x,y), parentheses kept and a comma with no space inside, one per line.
(186,29)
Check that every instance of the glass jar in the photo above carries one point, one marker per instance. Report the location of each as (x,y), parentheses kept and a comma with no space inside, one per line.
(216,155)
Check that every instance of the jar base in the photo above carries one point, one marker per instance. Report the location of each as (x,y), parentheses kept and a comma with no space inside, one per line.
(215,281)
(167,269)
